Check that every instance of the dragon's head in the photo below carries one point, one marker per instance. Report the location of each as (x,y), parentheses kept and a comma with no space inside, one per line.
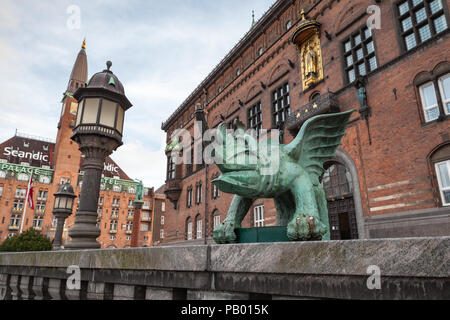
(240,161)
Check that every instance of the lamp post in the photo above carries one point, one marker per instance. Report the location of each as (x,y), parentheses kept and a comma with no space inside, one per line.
(62,208)
(98,131)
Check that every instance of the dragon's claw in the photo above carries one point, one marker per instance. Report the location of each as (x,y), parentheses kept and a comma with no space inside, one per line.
(304,227)
(224,233)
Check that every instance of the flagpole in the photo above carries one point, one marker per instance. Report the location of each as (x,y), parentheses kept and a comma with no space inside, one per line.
(26,204)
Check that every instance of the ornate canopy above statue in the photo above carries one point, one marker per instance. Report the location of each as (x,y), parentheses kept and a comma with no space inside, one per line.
(306,37)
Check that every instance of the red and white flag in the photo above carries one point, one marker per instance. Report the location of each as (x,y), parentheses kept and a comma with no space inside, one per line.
(30,193)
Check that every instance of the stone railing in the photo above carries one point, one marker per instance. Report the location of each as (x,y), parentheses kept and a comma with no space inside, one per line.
(415,268)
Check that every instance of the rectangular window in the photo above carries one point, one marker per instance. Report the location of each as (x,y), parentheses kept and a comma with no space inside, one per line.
(443,175)
(429,101)
(37,222)
(40,207)
(1,191)
(259,216)
(14,221)
(162,220)
(18,205)
(216,192)
(113,226)
(21,193)
(216,221)
(144,227)
(420,20)
(171,168)
(189,197)
(428,95)
(189,230)
(199,229)
(42,195)
(281,104)
(100,201)
(163,206)
(116,202)
(254,118)
(359,54)
(444,88)
(199,193)
(161,234)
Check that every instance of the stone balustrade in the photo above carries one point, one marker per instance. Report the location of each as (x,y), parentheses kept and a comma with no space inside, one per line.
(414,268)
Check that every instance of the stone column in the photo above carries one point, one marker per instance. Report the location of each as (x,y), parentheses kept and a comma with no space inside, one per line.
(136,223)
(95,149)
(57,241)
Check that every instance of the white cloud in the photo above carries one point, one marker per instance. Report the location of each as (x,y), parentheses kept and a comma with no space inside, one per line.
(161,51)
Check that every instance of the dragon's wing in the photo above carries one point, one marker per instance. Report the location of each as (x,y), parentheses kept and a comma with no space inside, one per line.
(317,142)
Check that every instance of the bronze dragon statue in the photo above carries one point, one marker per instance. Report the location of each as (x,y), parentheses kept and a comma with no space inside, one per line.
(287,173)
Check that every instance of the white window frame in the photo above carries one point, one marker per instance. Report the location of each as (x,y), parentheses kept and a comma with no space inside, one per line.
(425,108)
(163,206)
(161,234)
(144,227)
(258,216)
(1,191)
(439,178)
(216,221)
(441,90)
(2,174)
(189,230)
(189,204)
(162,220)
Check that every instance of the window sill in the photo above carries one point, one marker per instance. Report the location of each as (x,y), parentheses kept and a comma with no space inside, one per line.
(430,123)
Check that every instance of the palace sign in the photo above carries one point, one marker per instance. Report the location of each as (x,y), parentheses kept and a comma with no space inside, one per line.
(24,169)
(10,151)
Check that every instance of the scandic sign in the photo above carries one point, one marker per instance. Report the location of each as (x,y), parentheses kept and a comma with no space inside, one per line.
(9,151)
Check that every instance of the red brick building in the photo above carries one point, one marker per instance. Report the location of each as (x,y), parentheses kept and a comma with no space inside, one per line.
(53,162)
(391,175)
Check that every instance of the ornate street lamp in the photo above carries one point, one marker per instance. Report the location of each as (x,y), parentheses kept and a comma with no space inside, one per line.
(62,208)
(98,131)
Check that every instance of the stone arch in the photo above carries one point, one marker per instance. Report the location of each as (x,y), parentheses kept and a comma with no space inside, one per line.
(252,91)
(278,70)
(438,154)
(343,158)
(442,68)
(349,12)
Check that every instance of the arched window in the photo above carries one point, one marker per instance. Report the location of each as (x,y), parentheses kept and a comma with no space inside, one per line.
(440,163)
(216,219)
(337,181)
(189,229)
(2,174)
(198,227)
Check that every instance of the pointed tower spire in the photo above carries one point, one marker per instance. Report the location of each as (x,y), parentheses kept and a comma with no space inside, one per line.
(79,74)
(253,18)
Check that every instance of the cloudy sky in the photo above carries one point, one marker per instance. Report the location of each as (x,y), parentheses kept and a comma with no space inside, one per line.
(161,51)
